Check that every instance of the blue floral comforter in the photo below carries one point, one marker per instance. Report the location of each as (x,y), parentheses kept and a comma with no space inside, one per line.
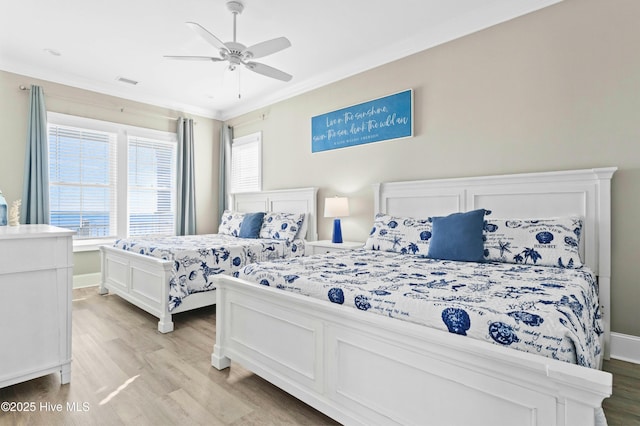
(549,311)
(197,257)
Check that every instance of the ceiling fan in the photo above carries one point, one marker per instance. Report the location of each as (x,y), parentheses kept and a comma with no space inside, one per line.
(237,53)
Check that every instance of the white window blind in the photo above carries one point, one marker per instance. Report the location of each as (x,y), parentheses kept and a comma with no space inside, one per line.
(152,188)
(246,163)
(110,180)
(82,181)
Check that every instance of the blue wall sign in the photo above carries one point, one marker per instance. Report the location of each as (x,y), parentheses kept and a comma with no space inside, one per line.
(390,117)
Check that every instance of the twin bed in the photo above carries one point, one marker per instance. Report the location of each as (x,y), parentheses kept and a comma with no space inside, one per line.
(378,337)
(169,275)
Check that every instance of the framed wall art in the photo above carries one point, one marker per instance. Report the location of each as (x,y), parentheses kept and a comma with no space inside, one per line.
(386,118)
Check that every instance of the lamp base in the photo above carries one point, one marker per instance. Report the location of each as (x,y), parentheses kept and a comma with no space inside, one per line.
(337,231)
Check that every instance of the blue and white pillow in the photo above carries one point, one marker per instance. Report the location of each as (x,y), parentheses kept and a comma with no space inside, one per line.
(545,242)
(405,235)
(281,226)
(230,223)
(302,227)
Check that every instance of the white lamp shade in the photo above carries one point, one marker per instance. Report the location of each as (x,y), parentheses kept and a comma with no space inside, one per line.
(336,207)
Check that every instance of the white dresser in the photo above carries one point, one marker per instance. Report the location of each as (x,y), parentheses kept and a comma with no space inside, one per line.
(36,272)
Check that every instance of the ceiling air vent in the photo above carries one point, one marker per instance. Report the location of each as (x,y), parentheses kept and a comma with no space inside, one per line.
(126,80)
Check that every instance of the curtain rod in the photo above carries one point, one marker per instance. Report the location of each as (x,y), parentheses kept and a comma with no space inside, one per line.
(262,117)
(121,109)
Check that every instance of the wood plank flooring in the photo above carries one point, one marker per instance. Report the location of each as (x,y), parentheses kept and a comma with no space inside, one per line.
(126,373)
(623,407)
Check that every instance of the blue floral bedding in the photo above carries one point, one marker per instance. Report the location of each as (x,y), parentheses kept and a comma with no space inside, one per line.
(549,311)
(198,257)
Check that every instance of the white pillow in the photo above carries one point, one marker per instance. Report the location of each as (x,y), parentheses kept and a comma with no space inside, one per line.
(281,226)
(400,234)
(544,242)
(302,227)
(230,223)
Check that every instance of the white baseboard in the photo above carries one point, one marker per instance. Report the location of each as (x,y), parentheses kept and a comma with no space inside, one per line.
(625,347)
(86,280)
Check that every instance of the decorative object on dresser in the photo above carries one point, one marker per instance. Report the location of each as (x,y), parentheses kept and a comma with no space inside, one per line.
(36,272)
(326,246)
(14,213)
(3,210)
(336,207)
(365,366)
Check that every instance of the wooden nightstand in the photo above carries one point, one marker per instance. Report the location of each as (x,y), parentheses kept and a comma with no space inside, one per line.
(326,246)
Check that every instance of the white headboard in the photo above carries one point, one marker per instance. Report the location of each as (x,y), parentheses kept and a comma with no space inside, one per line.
(297,200)
(585,193)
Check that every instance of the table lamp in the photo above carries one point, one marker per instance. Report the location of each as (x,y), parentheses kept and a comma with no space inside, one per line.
(336,207)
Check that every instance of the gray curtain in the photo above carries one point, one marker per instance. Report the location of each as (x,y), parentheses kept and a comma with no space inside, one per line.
(35,193)
(226,136)
(186,211)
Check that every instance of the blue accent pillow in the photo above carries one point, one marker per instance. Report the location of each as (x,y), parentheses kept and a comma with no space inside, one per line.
(458,236)
(251,225)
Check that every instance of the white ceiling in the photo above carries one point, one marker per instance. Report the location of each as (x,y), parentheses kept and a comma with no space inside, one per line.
(100,40)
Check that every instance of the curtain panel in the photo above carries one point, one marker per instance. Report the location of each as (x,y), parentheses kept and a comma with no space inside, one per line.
(35,193)
(226,136)
(186,200)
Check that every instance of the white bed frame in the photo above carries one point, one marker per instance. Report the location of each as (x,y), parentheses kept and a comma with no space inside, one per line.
(144,280)
(361,368)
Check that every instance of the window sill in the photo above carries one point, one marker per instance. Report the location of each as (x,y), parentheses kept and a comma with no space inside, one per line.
(91,245)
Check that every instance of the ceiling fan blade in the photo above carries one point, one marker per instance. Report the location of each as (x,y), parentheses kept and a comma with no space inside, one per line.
(268,71)
(193,58)
(210,38)
(267,47)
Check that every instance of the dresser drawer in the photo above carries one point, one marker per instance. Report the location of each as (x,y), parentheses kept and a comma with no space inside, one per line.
(28,254)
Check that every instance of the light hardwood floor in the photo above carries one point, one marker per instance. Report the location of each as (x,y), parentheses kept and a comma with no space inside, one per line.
(126,373)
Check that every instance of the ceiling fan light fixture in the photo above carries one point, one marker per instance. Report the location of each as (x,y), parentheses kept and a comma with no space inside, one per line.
(237,53)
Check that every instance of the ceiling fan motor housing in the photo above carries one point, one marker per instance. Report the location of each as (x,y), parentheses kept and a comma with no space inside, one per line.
(235,7)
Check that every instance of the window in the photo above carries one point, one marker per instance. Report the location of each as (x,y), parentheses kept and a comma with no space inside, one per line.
(152,178)
(246,163)
(108,180)
(82,180)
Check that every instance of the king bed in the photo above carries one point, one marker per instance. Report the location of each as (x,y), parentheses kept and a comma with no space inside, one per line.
(326,330)
(169,275)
